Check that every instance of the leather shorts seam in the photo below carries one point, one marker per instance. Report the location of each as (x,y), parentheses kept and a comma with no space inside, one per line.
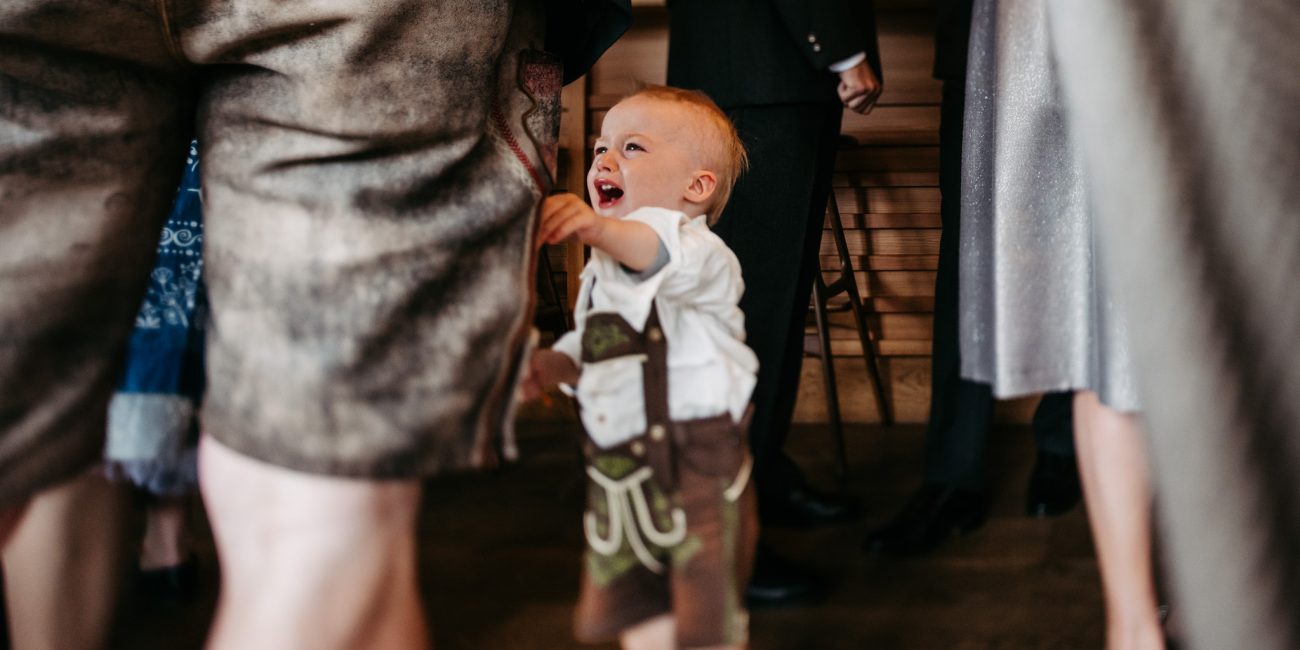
(169,33)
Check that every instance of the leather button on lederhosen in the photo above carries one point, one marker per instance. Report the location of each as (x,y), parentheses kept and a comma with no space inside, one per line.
(655,334)
(638,448)
(657,432)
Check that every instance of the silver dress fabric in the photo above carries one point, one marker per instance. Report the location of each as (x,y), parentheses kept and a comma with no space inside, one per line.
(1188,119)
(1035,313)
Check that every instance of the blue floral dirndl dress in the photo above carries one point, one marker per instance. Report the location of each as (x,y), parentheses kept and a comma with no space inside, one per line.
(152,419)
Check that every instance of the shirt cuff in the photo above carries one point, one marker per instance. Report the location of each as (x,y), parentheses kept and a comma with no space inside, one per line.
(847,64)
(570,345)
(661,260)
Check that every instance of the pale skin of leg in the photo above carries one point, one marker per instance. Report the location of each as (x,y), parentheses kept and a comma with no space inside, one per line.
(166,542)
(311,561)
(659,633)
(70,554)
(1116,484)
(9,519)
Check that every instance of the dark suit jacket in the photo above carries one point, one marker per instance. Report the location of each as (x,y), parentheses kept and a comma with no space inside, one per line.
(951,37)
(581,30)
(764,52)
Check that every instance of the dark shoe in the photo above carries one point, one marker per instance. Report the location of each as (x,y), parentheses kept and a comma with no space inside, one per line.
(805,507)
(777,581)
(1053,486)
(170,587)
(935,513)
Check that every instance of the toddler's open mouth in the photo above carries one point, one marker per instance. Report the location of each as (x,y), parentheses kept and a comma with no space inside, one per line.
(607,193)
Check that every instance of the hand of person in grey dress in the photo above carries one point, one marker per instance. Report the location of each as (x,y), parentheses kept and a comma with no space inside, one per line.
(859,88)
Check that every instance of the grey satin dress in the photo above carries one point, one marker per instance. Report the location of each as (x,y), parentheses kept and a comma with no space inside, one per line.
(1035,313)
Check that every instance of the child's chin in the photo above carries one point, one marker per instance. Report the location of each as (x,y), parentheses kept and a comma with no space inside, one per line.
(616,211)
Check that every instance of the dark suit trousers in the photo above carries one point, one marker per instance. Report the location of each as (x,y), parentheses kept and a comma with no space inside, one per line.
(961,410)
(774,223)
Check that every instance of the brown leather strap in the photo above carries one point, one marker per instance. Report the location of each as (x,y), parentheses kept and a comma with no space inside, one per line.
(658,442)
(607,336)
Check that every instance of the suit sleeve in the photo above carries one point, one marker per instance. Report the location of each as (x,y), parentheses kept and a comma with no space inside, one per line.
(581,30)
(828,31)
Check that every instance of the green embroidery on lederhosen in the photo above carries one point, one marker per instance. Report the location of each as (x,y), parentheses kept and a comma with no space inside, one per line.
(613,466)
(605,569)
(682,553)
(601,337)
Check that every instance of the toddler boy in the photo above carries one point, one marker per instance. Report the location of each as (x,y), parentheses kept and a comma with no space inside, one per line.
(663,378)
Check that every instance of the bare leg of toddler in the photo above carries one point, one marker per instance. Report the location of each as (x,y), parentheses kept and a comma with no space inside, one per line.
(659,633)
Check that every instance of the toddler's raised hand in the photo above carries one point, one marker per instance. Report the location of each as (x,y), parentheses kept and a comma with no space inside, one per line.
(566,215)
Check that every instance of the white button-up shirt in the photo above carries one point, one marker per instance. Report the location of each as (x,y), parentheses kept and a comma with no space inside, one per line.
(710,369)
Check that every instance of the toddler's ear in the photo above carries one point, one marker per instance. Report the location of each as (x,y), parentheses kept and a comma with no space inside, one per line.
(703,184)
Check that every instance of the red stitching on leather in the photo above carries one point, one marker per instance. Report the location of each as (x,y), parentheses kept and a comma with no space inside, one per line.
(504,126)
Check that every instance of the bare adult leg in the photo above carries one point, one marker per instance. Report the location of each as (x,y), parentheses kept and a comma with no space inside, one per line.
(311,561)
(1113,468)
(166,538)
(65,564)
(9,519)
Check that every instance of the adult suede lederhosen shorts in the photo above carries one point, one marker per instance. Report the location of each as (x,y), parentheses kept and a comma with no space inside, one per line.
(687,551)
(369,220)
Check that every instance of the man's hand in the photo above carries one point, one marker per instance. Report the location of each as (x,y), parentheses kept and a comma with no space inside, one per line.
(859,88)
(566,215)
(546,369)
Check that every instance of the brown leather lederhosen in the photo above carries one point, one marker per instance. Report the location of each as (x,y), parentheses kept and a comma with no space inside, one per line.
(670,519)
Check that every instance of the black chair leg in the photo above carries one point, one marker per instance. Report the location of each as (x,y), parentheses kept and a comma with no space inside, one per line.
(828,376)
(846,283)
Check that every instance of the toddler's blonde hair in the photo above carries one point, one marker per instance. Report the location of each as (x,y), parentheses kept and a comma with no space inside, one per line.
(725,152)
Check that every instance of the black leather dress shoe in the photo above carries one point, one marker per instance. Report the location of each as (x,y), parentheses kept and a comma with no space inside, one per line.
(777,581)
(805,507)
(935,513)
(1053,486)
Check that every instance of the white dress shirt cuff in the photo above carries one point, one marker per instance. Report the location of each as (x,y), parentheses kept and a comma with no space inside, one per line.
(847,64)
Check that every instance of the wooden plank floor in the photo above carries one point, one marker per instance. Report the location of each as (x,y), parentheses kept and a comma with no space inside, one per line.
(499,557)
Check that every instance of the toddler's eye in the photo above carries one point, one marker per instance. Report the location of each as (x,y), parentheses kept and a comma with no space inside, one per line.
(600,149)
(632,146)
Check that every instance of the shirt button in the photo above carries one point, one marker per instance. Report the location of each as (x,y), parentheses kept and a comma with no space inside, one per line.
(600,417)
(812,38)
(816,47)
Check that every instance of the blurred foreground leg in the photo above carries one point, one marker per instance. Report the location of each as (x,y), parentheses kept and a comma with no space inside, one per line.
(311,561)
(64,566)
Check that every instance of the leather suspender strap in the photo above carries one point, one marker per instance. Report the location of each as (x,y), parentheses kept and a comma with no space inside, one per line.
(658,441)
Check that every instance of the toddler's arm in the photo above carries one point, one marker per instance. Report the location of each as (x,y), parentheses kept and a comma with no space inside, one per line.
(634,244)
(547,369)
